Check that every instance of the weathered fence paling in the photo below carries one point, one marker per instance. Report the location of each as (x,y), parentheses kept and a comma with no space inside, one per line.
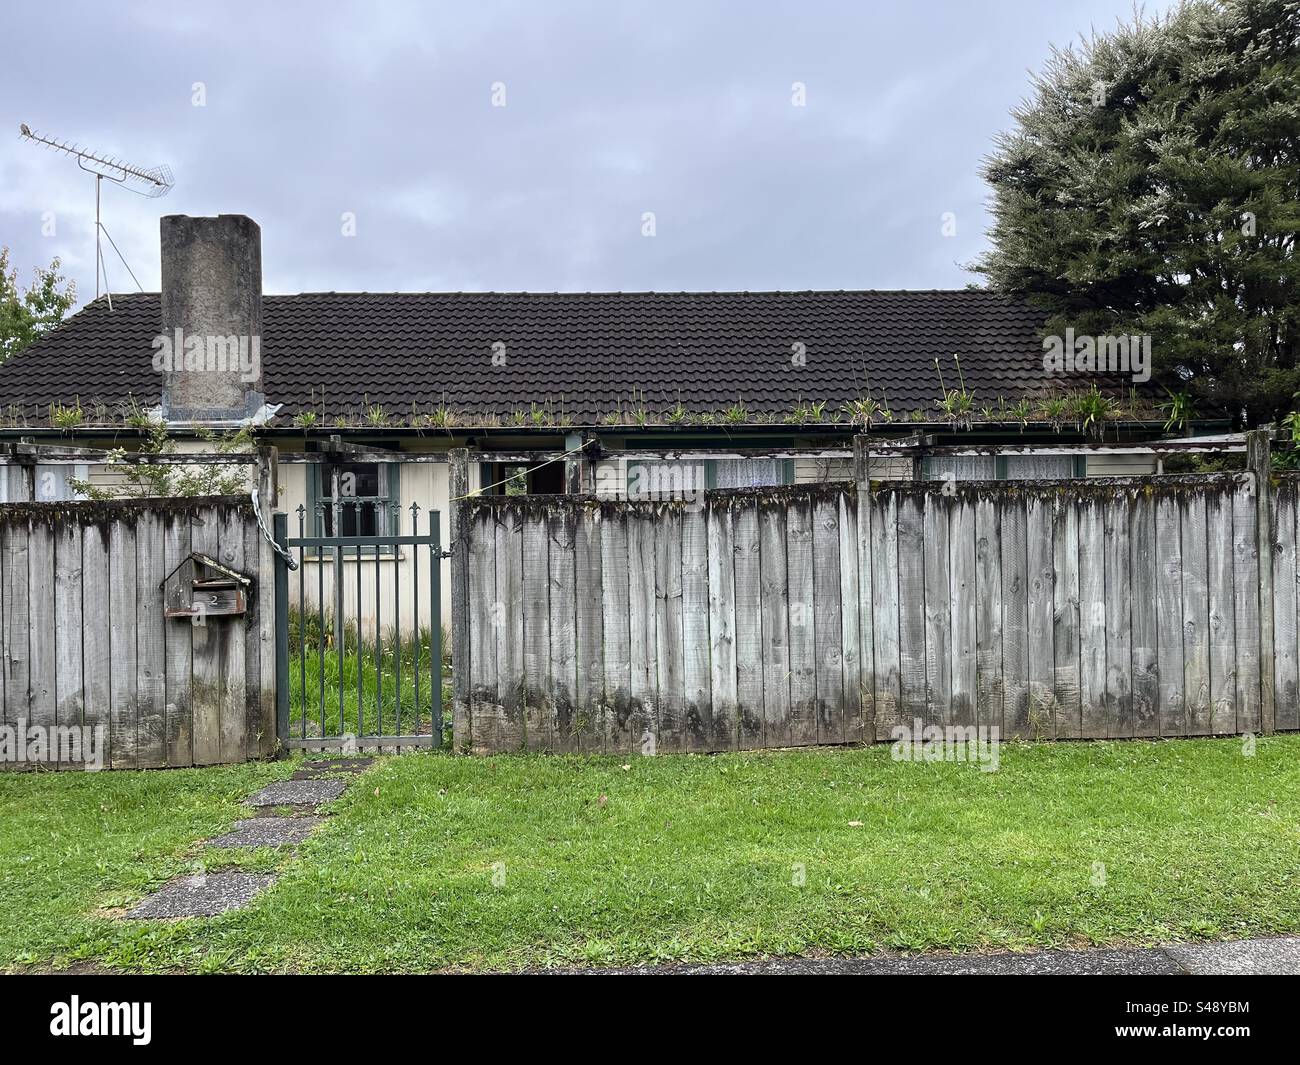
(86,644)
(833,613)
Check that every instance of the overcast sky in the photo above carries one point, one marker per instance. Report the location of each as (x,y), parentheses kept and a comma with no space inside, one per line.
(387,113)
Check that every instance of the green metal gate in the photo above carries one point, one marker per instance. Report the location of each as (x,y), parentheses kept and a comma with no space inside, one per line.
(359,628)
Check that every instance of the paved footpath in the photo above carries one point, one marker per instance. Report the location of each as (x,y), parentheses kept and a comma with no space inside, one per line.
(1247,957)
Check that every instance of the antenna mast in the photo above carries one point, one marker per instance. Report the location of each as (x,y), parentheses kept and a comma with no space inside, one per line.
(152,182)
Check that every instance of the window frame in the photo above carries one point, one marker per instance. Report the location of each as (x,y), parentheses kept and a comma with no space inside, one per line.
(390,477)
(788,474)
(710,472)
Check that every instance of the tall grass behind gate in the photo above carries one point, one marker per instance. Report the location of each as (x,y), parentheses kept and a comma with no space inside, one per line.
(353,682)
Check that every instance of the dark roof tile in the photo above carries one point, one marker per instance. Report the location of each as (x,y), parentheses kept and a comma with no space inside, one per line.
(582,353)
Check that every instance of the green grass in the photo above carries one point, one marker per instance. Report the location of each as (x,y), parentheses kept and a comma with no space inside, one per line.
(371,680)
(72,844)
(676,857)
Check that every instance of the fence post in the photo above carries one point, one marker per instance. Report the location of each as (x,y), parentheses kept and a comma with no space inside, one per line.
(268,478)
(269,569)
(458,491)
(866,652)
(20,473)
(280,529)
(1258,462)
(573,465)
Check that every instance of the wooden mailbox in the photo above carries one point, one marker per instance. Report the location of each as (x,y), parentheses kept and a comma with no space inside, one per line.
(201,587)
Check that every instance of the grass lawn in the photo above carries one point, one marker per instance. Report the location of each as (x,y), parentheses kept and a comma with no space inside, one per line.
(353,685)
(676,857)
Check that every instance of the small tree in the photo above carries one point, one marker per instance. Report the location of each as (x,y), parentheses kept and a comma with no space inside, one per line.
(1151,185)
(26,315)
(173,479)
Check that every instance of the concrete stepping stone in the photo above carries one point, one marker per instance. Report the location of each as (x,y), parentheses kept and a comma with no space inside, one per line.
(267,832)
(298,793)
(205,895)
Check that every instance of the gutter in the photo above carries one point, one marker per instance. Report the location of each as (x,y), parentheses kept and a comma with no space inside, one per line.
(902,430)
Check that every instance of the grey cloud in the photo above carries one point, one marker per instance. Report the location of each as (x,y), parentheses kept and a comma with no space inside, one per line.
(612,110)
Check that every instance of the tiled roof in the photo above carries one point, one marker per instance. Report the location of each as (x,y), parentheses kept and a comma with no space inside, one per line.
(583,354)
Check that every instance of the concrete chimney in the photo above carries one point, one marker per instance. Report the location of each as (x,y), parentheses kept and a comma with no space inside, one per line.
(210,347)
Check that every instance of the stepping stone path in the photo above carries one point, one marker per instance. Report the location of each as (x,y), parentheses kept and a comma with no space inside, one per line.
(209,894)
(297,793)
(205,895)
(267,832)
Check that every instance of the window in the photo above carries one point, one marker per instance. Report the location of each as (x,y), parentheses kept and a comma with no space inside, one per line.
(1008,468)
(637,478)
(49,485)
(654,479)
(751,473)
(961,468)
(515,479)
(368,494)
(663,479)
(1044,467)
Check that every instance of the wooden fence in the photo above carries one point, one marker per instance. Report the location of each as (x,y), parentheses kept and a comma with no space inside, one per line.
(1099,608)
(86,644)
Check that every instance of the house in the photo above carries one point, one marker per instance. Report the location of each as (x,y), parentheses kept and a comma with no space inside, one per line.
(740,388)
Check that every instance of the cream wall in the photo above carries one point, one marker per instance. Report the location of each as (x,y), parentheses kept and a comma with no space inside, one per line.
(424,483)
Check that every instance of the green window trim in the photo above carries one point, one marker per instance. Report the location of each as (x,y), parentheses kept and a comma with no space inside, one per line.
(392,480)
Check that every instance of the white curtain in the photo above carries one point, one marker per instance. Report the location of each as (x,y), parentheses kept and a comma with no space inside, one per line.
(750,473)
(984,467)
(963,468)
(1039,467)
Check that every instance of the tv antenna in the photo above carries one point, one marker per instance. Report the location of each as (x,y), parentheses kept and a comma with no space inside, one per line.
(153,183)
